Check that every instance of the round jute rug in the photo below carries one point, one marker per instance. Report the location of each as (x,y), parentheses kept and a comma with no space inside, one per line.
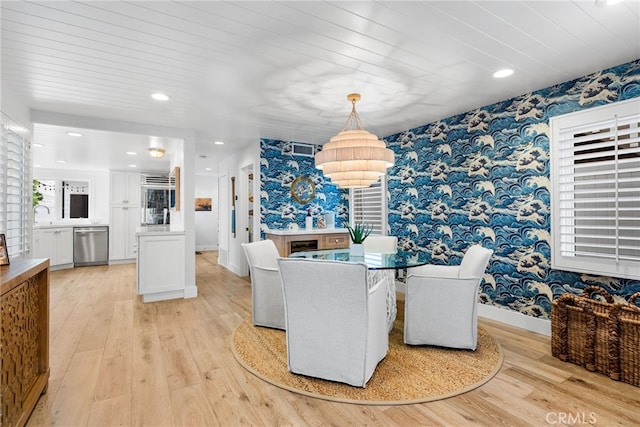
(408,374)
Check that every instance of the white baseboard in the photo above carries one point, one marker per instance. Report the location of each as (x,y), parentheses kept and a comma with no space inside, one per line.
(234,268)
(162,296)
(207,248)
(190,292)
(513,318)
(122,261)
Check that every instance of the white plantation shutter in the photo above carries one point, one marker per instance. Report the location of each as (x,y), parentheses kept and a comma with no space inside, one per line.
(596,190)
(369,206)
(15,187)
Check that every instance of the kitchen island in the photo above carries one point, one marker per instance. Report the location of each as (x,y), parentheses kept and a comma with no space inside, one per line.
(160,263)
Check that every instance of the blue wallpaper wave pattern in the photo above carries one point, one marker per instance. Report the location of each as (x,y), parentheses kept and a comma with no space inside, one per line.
(478,177)
(278,169)
(483,177)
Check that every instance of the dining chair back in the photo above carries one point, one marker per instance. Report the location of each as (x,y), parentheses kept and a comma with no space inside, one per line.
(336,325)
(381,244)
(267,301)
(441,302)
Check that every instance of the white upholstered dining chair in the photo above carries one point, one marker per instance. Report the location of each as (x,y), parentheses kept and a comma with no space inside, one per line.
(266,288)
(381,244)
(441,302)
(336,325)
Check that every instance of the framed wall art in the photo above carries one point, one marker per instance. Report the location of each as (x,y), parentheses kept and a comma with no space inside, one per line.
(4,252)
(203,204)
(303,190)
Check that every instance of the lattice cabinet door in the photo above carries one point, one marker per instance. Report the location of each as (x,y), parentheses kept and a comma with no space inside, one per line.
(24,337)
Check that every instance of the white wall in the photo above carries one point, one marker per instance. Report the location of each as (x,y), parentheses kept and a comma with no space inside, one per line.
(231,256)
(207,222)
(15,108)
(98,188)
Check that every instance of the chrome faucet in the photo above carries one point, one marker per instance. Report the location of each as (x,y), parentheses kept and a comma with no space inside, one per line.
(35,209)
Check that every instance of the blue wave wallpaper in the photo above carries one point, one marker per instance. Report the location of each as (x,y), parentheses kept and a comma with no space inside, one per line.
(483,177)
(478,177)
(278,168)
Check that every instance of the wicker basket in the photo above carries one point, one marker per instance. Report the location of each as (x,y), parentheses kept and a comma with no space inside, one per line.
(580,329)
(625,354)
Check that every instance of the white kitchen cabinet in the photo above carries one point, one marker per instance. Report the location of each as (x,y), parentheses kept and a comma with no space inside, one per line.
(125,216)
(125,189)
(160,266)
(55,244)
(122,233)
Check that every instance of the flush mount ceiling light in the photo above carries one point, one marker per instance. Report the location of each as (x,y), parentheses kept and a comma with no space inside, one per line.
(354,158)
(156,148)
(605,3)
(156,152)
(76,134)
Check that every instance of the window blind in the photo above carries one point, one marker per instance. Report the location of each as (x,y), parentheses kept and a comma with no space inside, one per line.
(368,206)
(15,187)
(596,192)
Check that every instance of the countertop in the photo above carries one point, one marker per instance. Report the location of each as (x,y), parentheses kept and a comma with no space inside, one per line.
(60,224)
(156,230)
(303,231)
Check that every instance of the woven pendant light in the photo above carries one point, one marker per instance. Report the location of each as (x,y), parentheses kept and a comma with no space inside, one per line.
(354,158)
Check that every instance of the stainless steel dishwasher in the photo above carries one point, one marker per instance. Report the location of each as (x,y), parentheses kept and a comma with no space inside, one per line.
(90,245)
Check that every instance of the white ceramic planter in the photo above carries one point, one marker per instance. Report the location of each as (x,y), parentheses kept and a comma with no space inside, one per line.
(356,249)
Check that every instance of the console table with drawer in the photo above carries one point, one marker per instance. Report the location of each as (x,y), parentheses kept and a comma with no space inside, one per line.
(289,241)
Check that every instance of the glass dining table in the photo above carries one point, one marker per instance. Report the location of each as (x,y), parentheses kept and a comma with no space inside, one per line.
(382,267)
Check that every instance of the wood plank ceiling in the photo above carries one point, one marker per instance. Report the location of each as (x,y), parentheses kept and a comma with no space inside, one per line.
(237,71)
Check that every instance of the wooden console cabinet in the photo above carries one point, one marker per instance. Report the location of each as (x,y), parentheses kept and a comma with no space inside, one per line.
(24,341)
(321,239)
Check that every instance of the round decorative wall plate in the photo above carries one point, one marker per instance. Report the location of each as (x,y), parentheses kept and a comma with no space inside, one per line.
(303,190)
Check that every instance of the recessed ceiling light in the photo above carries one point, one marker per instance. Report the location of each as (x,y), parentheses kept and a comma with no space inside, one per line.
(132,153)
(160,96)
(133,166)
(74,134)
(505,72)
(60,161)
(207,169)
(605,3)
(218,142)
(37,166)
(38,145)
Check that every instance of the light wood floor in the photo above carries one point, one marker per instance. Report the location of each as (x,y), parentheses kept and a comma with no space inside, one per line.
(117,361)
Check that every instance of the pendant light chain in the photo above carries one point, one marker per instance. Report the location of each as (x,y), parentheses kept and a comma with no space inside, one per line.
(353,121)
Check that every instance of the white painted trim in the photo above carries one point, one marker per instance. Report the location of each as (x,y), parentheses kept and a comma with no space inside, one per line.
(207,248)
(162,296)
(513,318)
(190,292)
(234,268)
(122,261)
